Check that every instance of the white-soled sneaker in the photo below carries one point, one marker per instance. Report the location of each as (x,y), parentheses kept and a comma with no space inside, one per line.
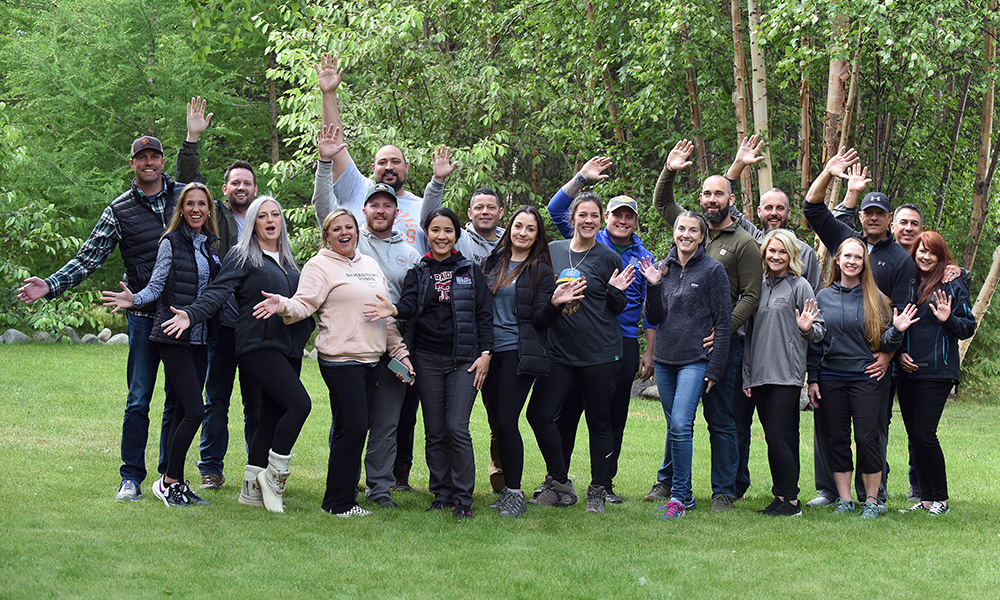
(938,508)
(129,490)
(354,511)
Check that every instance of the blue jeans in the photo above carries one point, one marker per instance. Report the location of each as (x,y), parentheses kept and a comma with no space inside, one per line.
(218,392)
(143,364)
(680,390)
(718,411)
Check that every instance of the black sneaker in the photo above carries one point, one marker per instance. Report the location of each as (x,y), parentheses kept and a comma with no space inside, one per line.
(461,512)
(385,502)
(190,496)
(786,509)
(172,495)
(500,501)
(769,509)
(613,498)
(437,505)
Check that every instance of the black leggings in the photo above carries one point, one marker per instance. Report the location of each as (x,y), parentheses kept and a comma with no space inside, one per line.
(778,409)
(185,366)
(921,402)
(593,386)
(284,403)
(506,392)
(352,387)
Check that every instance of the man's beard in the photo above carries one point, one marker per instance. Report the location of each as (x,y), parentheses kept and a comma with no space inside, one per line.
(716,217)
(399,183)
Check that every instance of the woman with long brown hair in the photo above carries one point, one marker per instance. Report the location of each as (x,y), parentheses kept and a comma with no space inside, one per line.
(929,365)
(859,323)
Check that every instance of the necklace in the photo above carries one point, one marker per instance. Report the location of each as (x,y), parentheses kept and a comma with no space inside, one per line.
(580,262)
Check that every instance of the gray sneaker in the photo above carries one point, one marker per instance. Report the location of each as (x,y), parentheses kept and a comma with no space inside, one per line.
(821,500)
(514,505)
(870,511)
(501,499)
(596,497)
(658,493)
(722,503)
(545,485)
(129,490)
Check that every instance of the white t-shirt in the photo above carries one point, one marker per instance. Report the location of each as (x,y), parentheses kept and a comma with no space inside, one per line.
(350,190)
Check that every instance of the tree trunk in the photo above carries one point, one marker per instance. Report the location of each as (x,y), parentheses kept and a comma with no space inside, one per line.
(980,198)
(272,105)
(955,132)
(805,134)
(983,300)
(692,90)
(758,86)
(609,90)
(740,101)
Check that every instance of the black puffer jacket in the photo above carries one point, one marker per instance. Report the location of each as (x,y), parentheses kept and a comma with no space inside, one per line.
(181,288)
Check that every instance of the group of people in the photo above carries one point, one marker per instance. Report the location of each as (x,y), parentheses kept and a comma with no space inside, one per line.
(413,310)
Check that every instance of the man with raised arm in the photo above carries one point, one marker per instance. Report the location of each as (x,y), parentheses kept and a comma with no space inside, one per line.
(740,255)
(134,221)
(621,218)
(389,166)
(239,189)
(393,398)
(892,267)
(774,211)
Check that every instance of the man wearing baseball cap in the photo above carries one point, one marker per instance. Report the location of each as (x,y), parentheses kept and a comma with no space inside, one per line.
(622,221)
(134,222)
(892,267)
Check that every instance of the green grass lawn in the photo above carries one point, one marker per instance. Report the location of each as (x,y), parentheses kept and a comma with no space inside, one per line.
(63,536)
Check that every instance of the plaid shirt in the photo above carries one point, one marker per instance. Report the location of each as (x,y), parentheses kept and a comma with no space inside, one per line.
(101,243)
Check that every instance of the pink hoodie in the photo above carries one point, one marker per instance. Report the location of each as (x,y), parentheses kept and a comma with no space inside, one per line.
(337,288)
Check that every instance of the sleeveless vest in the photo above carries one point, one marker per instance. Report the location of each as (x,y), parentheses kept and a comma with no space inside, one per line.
(141,229)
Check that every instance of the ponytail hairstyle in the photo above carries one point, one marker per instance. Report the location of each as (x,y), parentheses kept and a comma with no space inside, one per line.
(878,310)
(702,223)
(927,283)
(497,263)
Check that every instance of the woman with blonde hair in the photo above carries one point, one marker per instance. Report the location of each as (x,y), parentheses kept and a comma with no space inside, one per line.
(185,264)
(859,323)
(777,341)
(336,284)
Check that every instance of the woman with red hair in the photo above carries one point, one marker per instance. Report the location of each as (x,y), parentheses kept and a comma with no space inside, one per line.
(929,366)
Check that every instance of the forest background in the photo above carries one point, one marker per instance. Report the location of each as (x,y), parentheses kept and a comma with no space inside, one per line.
(524,91)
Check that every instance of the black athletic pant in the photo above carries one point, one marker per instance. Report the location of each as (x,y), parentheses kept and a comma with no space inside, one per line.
(778,409)
(505,393)
(352,387)
(593,386)
(185,366)
(921,402)
(284,403)
(858,401)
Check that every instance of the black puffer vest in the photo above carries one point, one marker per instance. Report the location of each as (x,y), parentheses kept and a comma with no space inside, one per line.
(181,288)
(141,229)
(463,307)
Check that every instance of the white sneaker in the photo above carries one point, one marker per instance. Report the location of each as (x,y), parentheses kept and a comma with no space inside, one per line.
(129,490)
(172,495)
(820,500)
(355,511)
(938,508)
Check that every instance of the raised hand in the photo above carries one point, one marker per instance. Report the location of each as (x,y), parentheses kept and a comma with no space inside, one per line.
(443,167)
(838,164)
(197,120)
(33,289)
(268,306)
(651,271)
(382,309)
(941,305)
(746,154)
(807,315)
(177,324)
(624,279)
(594,169)
(903,320)
(330,142)
(119,300)
(677,160)
(569,291)
(329,73)
(857,178)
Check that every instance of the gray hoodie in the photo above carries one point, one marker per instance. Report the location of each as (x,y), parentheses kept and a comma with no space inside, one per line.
(776,348)
(394,256)
(474,246)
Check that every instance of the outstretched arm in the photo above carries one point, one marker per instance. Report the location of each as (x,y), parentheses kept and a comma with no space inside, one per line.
(830,231)
(663,196)
(323,200)
(746,155)
(329,75)
(434,190)
(591,172)
(188,166)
